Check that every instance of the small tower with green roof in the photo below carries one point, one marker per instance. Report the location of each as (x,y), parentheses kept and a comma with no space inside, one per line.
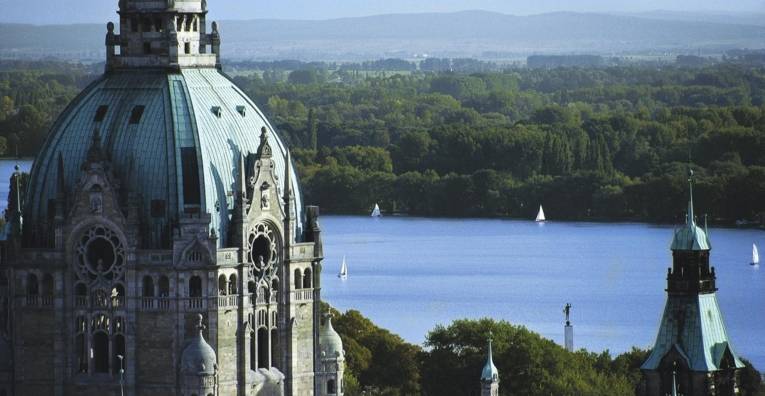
(489,376)
(692,354)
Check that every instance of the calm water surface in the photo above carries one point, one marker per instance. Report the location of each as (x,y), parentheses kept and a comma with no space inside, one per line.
(410,274)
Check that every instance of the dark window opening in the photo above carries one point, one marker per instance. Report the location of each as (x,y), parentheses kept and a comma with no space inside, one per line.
(331,388)
(191,191)
(298,279)
(241,110)
(164,287)
(187,48)
(263,348)
(82,361)
(80,290)
(158,207)
(274,349)
(253,352)
(261,247)
(33,288)
(251,288)
(101,113)
(147,48)
(136,115)
(158,25)
(148,286)
(134,25)
(101,352)
(222,285)
(195,287)
(100,254)
(146,25)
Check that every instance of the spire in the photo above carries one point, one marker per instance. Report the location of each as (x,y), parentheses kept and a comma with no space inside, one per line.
(95,152)
(264,149)
(241,180)
(690,237)
(490,372)
(674,383)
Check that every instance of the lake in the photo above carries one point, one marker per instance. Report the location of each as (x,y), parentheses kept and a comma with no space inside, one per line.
(410,274)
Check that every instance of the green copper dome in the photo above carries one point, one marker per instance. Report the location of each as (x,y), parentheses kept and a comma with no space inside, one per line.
(489,372)
(330,342)
(690,237)
(174,139)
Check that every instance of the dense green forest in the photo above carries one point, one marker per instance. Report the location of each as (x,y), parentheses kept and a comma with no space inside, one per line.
(381,363)
(594,143)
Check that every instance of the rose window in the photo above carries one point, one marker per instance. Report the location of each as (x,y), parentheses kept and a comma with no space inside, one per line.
(264,254)
(100,254)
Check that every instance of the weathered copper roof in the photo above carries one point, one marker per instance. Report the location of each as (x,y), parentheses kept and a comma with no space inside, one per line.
(145,117)
(694,326)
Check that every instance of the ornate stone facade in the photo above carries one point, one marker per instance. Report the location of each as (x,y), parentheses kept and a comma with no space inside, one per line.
(160,245)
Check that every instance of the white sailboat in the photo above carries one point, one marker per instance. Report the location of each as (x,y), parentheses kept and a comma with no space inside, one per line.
(540,215)
(343,270)
(755,255)
(376,211)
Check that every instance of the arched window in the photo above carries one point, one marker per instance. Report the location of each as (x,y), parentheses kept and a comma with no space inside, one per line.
(307,280)
(148,286)
(195,286)
(331,388)
(253,352)
(222,285)
(100,352)
(274,349)
(48,287)
(33,287)
(263,349)
(118,350)
(82,353)
(164,286)
(298,279)
(232,285)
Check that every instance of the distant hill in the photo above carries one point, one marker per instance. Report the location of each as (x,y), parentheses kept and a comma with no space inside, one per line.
(461,34)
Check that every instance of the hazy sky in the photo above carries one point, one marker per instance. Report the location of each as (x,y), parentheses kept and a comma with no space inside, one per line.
(77,11)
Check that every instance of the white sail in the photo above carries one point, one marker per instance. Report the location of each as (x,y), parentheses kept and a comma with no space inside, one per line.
(755,255)
(343,270)
(376,211)
(541,214)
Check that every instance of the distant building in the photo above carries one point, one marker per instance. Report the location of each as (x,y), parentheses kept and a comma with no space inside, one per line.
(162,232)
(692,354)
(555,61)
(489,376)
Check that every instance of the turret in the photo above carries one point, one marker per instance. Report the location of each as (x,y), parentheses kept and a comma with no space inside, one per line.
(162,34)
(489,376)
(329,376)
(690,272)
(693,354)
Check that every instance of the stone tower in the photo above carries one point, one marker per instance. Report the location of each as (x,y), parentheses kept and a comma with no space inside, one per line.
(331,361)
(692,354)
(489,376)
(161,194)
